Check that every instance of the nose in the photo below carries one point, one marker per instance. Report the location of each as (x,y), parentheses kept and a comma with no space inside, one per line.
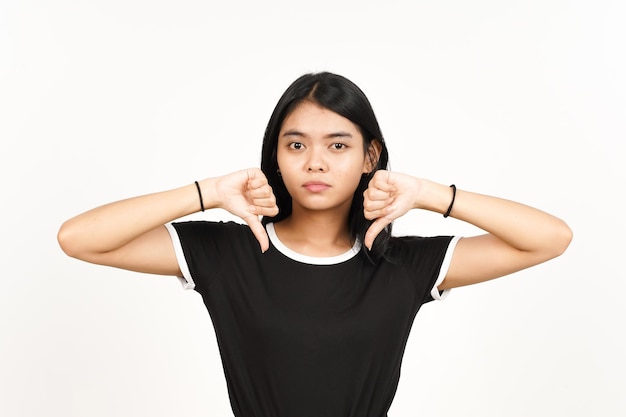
(316,162)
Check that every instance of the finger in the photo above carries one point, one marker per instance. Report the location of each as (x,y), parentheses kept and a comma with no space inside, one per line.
(258,231)
(372,194)
(264,191)
(381,181)
(260,210)
(373,231)
(383,186)
(265,200)
(388,212)
(377,214)
(374,205)
(256,179)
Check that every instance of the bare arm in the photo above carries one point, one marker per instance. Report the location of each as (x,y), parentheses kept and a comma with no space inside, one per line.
(130,234)
(518,236)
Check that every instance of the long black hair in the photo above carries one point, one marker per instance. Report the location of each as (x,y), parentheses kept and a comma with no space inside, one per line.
(342,96)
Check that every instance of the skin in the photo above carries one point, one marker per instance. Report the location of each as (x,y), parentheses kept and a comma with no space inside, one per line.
(318,146)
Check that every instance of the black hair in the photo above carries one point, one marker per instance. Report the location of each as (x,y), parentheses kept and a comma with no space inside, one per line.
(342,96)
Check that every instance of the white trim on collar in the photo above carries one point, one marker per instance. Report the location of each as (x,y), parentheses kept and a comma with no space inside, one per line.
(313,260)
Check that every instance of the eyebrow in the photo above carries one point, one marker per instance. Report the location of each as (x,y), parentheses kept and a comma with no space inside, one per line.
(297,133)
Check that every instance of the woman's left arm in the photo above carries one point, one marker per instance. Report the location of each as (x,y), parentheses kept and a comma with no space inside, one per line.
(518,236)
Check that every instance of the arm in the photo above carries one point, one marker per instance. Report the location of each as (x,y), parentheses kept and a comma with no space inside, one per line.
(129,234)
(518,236)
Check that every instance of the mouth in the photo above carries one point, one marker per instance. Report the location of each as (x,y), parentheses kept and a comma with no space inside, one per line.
(316,186)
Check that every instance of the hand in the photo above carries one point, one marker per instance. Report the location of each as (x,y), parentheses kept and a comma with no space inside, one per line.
(247,195)
(389,195)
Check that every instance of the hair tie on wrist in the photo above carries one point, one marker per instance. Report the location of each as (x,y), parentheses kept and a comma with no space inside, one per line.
(199,195)
(452,202)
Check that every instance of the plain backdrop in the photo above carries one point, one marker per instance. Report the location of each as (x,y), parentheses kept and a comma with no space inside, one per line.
(103,100)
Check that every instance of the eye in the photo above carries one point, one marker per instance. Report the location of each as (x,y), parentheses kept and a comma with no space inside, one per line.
(338,146)
(296,146)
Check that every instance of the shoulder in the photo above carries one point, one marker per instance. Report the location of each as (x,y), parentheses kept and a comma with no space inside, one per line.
(211,233)
(409,245)
(418,251)
(202,226)
(425,259)
(204,248)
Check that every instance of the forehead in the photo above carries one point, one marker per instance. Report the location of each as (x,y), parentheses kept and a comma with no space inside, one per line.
(313,119)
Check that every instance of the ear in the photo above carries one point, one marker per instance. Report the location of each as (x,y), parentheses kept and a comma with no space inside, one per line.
(371,156)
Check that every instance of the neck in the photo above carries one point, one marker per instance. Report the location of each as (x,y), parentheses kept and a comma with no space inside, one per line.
(317,232)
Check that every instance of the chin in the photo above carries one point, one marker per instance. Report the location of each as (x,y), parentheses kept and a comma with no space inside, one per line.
(323,205)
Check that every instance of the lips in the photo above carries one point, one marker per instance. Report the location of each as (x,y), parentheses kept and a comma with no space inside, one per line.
(316,186)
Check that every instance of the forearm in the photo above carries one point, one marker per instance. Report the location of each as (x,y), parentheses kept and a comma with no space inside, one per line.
(111,226)
(522,227)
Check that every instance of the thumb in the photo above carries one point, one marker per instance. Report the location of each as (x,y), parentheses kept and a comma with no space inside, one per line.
(374,230)
(258,230)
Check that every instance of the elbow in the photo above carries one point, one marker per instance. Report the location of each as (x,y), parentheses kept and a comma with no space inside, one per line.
(77,241)
(561,239)
(66,238)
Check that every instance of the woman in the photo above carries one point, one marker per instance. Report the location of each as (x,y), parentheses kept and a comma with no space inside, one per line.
(316,321)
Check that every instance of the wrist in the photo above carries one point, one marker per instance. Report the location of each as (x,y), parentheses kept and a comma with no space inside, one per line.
(434,197)
(207,194)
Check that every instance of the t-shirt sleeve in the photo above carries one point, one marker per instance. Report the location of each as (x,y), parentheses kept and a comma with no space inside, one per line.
(427,260)
(435,293)
(202,248)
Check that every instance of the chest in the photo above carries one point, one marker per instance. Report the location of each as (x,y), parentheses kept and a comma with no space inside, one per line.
(315,308)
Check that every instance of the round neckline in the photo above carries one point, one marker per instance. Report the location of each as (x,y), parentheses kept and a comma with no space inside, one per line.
(312,260)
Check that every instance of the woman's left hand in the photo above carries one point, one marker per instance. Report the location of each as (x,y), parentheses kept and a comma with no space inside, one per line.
(389,195)
(517,236)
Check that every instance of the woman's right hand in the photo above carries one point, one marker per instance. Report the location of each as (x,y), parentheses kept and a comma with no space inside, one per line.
(247,195)
(130,233)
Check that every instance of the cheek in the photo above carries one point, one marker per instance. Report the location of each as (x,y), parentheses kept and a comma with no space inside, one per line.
(284,159)
(352,174)
(287,176)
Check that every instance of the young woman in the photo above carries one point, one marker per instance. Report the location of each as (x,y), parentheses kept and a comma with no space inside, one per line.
(314,321)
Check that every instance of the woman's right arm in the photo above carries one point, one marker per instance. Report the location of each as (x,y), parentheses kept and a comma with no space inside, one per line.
(130,234)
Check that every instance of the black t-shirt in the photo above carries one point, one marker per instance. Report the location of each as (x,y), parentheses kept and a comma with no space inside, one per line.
(308,337)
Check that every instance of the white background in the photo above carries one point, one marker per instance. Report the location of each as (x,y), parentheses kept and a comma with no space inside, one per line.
(103,100)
